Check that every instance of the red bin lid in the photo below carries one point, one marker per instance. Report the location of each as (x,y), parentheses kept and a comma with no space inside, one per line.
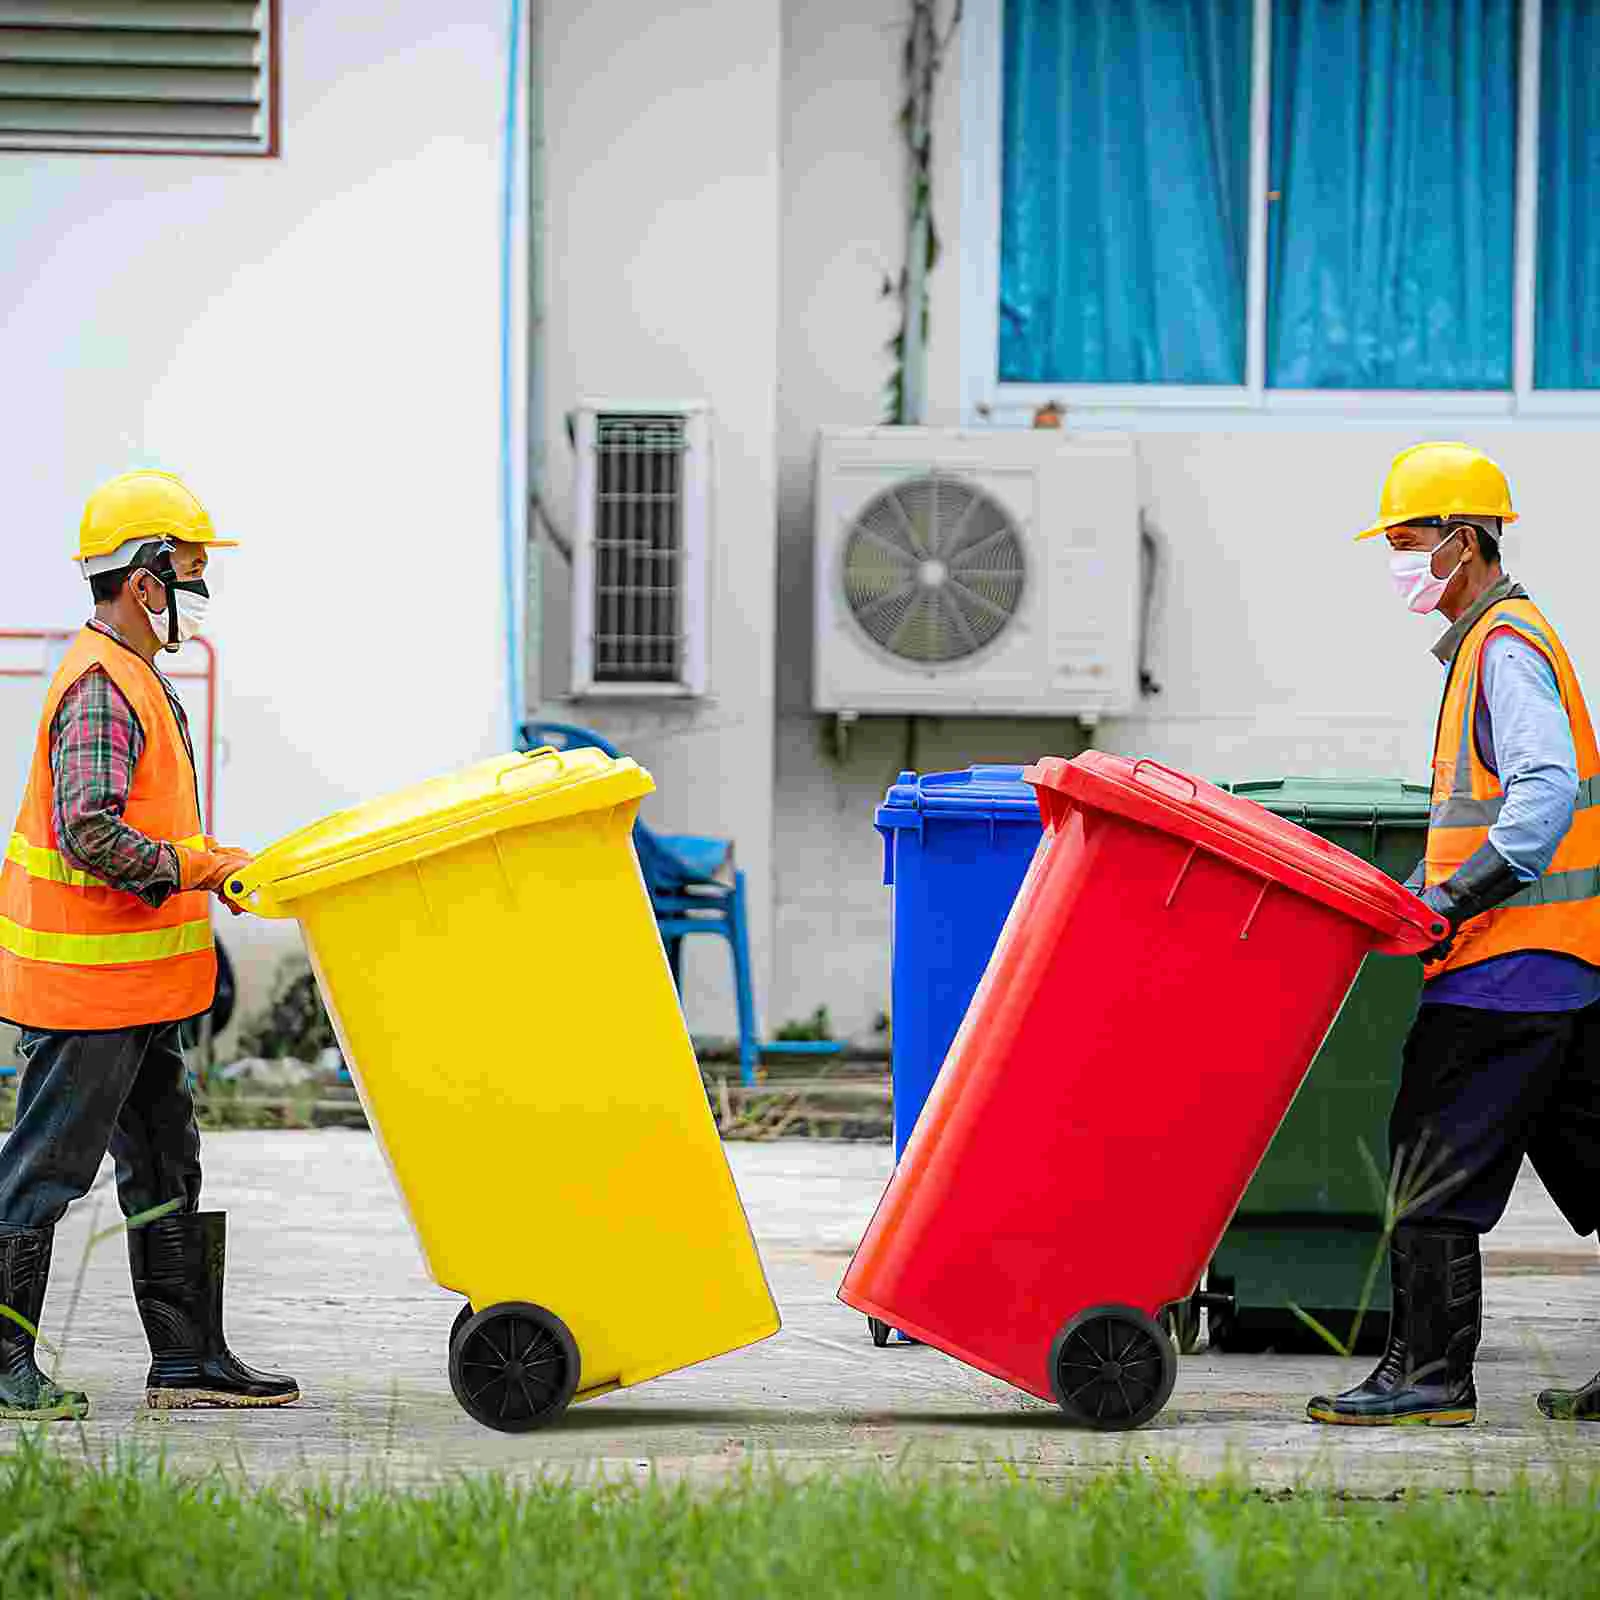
(1246,834)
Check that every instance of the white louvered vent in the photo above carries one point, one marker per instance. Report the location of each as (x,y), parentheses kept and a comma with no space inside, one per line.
(178,75)
(640,554)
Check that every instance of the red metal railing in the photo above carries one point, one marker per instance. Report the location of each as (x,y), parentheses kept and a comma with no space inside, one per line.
(208,676)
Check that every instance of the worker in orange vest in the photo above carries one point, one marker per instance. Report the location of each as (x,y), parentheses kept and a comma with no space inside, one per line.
(105,948)
(1503,1060)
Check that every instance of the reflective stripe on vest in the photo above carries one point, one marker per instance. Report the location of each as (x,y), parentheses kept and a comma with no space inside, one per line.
(1559,911)
(38,861)
(1462,811)
(1559,888)
(105,949)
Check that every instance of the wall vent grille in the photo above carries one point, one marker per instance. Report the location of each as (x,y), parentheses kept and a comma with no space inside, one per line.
(159,75)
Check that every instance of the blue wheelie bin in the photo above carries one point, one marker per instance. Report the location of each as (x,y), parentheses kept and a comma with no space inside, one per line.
(956,847)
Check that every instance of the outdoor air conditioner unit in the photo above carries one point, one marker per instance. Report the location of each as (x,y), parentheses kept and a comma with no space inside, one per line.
(641,549)
(964,572)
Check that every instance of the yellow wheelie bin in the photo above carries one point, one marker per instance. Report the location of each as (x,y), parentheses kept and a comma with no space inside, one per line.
(487,951)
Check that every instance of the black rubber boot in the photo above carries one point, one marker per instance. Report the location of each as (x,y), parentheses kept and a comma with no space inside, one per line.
(1425,1376)
(178,1266)
(26,1394)
(1572,1405)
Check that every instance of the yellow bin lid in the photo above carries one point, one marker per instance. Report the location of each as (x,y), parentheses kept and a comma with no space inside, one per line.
(508,791)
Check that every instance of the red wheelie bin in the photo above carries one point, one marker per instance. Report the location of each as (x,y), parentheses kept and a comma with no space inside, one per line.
(1169,968)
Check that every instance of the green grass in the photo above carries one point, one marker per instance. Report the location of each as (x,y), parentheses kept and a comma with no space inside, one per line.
(131,1529)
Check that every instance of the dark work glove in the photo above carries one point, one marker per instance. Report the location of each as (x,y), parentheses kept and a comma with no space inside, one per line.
(1483,881)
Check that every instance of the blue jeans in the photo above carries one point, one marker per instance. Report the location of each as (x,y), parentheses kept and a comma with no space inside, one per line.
(85,1093)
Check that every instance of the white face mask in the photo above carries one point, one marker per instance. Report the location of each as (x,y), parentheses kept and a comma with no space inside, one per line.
(1411,572)
(192,610)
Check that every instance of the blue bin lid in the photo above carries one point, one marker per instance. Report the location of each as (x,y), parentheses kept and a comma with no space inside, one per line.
(979,794)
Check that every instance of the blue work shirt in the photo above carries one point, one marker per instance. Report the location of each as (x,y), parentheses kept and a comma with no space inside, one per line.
(1524,737)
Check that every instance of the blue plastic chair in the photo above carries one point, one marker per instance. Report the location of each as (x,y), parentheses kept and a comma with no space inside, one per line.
(681,873)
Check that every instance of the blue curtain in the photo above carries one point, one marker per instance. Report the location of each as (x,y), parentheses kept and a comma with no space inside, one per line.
(1567,344)
(1394,156)
(1123,242)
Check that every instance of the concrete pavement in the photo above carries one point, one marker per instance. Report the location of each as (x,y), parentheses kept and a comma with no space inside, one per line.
(327,1280)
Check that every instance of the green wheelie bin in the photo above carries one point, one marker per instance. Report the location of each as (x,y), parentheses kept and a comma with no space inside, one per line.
(1309,1228)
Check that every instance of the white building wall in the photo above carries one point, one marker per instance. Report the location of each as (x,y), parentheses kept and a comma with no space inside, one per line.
(314,341)
(661,183)
(1278,643)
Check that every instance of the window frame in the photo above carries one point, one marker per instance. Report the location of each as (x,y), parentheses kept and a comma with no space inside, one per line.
(986,399)
(268,145)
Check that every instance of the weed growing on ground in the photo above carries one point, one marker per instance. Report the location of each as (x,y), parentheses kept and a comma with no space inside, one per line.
(1416,1179)
(132,1528)
(225,1105)
(818,1026)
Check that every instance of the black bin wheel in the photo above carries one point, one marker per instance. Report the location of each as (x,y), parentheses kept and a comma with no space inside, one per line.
(514,1366)
(879,1329)
(1112,1367)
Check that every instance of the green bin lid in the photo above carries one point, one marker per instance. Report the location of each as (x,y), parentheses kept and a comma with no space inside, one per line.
(1332,800)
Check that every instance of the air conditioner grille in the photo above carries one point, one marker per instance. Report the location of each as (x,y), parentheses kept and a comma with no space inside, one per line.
(638,548)
(934,569)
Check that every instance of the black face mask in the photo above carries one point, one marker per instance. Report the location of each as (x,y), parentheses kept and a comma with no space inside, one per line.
(162,570)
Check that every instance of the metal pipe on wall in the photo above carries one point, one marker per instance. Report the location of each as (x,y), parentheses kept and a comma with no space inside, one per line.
(513,505)
(533,625)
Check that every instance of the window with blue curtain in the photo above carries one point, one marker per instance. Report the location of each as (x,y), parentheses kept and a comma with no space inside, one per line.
(1124,235)
(1567,317)
(1390,257)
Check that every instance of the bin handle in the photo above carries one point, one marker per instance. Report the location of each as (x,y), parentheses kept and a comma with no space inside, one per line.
(1417,933)
(1181,787)
(508,778)
(249,893)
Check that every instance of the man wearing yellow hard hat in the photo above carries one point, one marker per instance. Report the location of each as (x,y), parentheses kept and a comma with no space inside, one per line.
(1503,1060)
(105,948)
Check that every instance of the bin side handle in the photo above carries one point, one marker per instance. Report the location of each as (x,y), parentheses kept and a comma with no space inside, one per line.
(249,893)
(1416,933)
(1176,784)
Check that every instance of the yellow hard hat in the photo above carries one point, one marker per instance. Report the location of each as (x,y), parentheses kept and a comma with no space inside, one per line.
(138,506)
(1441,480)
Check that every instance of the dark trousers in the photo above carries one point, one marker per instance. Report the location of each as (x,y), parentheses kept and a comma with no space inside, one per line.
(1482,1089)
(85,1093)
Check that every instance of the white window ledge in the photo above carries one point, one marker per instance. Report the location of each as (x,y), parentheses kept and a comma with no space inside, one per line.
(1176,408)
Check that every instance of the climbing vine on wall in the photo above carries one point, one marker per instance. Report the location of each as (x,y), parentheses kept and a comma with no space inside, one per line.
(927,45)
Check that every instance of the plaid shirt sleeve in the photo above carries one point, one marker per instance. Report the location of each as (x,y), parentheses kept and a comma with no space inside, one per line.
(95,743)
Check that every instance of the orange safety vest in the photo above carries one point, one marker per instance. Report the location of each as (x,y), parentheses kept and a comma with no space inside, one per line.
(1561,911)
(77,955)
